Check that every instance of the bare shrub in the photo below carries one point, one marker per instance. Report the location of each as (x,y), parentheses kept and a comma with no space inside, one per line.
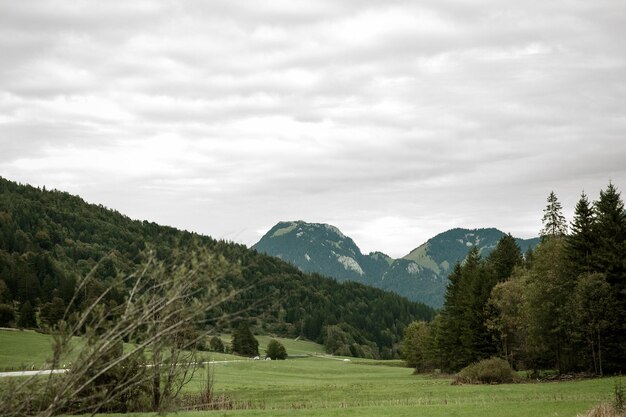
(162,310)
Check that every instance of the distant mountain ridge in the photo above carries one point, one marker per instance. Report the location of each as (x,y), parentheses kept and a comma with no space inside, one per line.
(421,275)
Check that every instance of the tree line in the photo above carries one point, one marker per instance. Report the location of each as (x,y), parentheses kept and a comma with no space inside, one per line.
(562,306)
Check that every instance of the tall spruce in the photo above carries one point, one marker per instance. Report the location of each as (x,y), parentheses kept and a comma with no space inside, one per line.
(554,224)
(504,258)
(610,229)
(581,241)
(244,343)
(609,258)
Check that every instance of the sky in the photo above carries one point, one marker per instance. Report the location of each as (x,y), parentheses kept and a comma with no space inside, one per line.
(392,120)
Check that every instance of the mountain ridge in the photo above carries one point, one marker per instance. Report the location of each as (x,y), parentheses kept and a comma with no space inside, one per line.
(421,275)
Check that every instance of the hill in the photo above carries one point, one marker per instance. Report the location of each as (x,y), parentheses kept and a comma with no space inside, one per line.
(422,275)
(49,239)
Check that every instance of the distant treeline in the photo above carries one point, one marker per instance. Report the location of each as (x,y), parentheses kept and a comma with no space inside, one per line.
(560,307)
(49,240)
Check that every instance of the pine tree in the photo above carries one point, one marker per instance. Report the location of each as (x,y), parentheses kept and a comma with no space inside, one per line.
(581,241)
(611,232)
(609,258)
(244,343)
(554,224)
(505,257)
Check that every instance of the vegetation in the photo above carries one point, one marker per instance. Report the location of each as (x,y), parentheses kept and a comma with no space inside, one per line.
(244,343)
(160,317)
(216,345)
(325,387)
(50,239)
(275,350)
(560,307)
(486,371)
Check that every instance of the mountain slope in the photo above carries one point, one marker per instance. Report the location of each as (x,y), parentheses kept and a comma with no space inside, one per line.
(420,275)
(49,239)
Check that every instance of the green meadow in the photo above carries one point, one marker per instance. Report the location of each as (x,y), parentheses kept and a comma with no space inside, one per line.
(326,386)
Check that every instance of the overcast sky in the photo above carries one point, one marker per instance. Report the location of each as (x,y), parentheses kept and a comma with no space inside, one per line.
(392,120)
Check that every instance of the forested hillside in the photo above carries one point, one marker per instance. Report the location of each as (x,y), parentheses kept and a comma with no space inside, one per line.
(560,307)
(49,239)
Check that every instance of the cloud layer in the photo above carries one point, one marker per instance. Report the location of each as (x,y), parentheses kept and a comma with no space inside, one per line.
(392,120)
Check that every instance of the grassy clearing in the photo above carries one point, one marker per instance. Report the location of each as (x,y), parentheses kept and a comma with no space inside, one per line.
(21,350)
(317,386)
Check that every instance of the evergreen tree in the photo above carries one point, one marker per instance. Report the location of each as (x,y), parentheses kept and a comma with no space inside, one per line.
(581,241)
(464,336)
(611,232)
(505,257)
(554,224)
(609,258)
(244,343)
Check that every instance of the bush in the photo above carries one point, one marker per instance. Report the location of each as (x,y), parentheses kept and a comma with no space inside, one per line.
(487,371)
(276,350)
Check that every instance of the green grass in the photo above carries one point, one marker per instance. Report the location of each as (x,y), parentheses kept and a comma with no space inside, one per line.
(317,386)
(323,387)
(20,350)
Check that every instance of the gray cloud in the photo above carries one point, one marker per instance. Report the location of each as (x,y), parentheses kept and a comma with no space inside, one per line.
(392,120)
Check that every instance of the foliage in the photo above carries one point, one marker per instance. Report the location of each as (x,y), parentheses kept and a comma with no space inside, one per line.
(276,350)
(487,371)
(416,346)
(244,343)
(342,340)
(562,306)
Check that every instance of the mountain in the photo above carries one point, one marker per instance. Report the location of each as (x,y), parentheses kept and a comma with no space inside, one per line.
(50,239)
(323,249)
(422,275)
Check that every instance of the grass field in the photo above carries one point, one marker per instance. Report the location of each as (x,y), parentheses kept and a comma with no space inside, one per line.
(321,386)
(22,350)
(317,386)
